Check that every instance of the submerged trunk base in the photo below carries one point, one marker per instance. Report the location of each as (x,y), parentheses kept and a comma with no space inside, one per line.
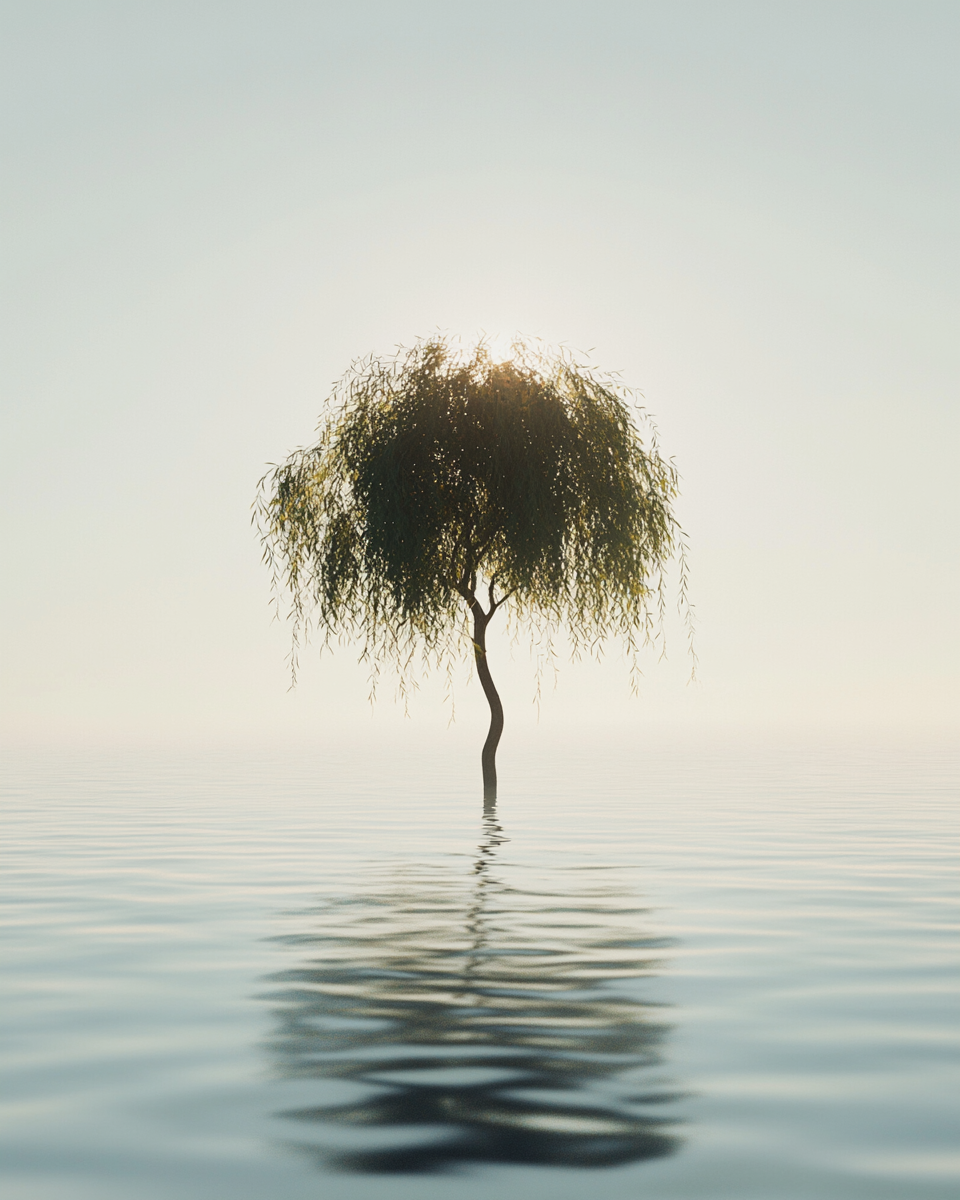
(489,768)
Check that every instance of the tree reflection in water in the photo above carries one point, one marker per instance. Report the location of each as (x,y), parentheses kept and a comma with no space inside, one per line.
(475,1024)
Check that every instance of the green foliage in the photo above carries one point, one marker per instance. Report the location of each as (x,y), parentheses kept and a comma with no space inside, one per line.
(438,473)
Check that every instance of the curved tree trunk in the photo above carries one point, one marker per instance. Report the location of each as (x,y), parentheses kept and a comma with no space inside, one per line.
(488,758)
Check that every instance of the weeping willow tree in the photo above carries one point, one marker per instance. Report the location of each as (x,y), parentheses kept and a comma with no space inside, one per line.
(446,485)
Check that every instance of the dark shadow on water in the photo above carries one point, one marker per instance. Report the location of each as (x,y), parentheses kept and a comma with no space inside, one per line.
(451,1019)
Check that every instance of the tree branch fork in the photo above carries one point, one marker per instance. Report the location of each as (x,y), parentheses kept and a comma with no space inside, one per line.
(466,586)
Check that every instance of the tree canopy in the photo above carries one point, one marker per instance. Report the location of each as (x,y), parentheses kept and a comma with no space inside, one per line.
(443,478)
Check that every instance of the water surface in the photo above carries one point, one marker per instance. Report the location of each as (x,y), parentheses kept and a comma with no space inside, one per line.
(685,969)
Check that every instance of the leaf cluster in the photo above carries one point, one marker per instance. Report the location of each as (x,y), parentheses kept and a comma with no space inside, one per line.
(439,472)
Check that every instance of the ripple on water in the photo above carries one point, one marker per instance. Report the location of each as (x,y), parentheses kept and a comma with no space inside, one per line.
(479,1022)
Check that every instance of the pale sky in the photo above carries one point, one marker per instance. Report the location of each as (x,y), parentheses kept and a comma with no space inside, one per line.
(210,209)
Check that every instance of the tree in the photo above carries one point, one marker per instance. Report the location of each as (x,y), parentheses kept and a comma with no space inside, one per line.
(445,485)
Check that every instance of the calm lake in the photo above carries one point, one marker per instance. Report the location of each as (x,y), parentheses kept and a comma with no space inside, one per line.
(675,967)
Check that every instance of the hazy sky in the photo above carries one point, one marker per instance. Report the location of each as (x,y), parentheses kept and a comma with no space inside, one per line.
(210,209)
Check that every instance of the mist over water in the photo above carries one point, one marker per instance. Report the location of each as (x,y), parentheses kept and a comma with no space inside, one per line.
(701,968)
